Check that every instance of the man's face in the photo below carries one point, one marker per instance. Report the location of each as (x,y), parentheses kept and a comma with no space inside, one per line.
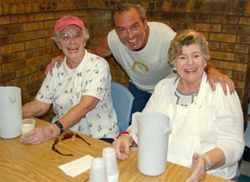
(131,30)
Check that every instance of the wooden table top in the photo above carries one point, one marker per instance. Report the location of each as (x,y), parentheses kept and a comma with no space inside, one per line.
(38,163)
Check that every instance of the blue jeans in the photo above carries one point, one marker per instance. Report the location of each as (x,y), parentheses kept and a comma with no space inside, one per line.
(140,98)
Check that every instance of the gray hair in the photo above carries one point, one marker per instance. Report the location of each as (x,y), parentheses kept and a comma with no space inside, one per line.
(184,38)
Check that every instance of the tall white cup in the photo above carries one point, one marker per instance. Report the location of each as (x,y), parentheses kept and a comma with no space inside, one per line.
(150,131)
(10,112)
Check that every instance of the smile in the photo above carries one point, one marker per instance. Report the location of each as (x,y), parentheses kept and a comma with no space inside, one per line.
(190,70)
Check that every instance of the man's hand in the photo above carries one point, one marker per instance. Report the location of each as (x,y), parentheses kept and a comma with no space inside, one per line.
(59,59)
(214,75)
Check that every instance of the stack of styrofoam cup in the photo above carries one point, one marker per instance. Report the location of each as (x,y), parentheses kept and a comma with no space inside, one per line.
(98,171)
(109,157)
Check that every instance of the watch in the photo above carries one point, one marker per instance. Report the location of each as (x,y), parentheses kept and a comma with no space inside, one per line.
(208,163)
(60,126)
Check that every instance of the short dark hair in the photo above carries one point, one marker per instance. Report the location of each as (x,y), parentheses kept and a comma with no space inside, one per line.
(126,6)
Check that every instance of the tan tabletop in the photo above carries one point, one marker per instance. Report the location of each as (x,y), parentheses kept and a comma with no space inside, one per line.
(38,163)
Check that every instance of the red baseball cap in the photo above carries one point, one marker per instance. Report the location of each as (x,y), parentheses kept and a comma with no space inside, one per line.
(68,20)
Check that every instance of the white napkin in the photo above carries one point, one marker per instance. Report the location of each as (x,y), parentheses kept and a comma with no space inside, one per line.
(77,166)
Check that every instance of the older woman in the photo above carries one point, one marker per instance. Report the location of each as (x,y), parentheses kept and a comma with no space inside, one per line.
(207,125)
(80,90)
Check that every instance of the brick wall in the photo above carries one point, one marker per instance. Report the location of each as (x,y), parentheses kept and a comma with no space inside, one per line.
(26,27)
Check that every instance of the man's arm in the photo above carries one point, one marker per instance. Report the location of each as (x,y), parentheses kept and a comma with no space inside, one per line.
(102,49)
(214,75)
(59,59)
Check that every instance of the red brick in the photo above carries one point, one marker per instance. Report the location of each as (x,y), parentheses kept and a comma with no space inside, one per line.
(243,39)
(4,8)
(49,24)
(22,18)
(242,58)
(35,43)
(238,75)
(26,71)
(239,84)
(44,16)
(224,19)
(232,66)
(4,20)
(33,26)
(6,49)
(222,37)
(24,36)
(245,20)
(13,66)
(222,55)
(7,76)
(208,27)
(5,40)
(235,48)
(17,81)
(214,45)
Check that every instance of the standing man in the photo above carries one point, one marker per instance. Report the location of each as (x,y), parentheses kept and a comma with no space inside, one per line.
(140,47)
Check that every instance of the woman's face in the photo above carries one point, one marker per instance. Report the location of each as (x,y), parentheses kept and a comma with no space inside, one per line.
(190,64)
(131,30)
(72,43)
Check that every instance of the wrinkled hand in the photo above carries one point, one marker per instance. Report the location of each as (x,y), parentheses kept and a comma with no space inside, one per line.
(58,59)
(197,168)
(214,75)
(39,135)
(121,146)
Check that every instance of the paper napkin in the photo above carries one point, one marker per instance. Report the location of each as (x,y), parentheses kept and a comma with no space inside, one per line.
(77,166)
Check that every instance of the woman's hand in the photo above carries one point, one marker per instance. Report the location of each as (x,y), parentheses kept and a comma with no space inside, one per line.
(59,59)
(122,147)
(39,135)
(197,169)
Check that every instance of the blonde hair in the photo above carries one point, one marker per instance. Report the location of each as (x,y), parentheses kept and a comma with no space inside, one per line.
(185,38)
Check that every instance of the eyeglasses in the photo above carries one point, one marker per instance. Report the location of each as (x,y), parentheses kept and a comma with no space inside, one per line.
(65,136)
(66,37)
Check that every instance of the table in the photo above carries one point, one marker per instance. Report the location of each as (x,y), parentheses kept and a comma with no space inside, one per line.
(38,163)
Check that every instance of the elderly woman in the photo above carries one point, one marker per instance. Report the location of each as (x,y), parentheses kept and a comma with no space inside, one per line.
(80,90)
(207,125)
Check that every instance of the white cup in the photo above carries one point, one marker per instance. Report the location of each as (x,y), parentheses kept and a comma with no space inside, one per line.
(27,125)
(98,171)
(109,157)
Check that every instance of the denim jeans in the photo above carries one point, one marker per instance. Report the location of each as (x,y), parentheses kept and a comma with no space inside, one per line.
(140,98)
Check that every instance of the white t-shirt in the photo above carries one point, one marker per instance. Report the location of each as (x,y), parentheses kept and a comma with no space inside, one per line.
(148,66)
(65,87)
